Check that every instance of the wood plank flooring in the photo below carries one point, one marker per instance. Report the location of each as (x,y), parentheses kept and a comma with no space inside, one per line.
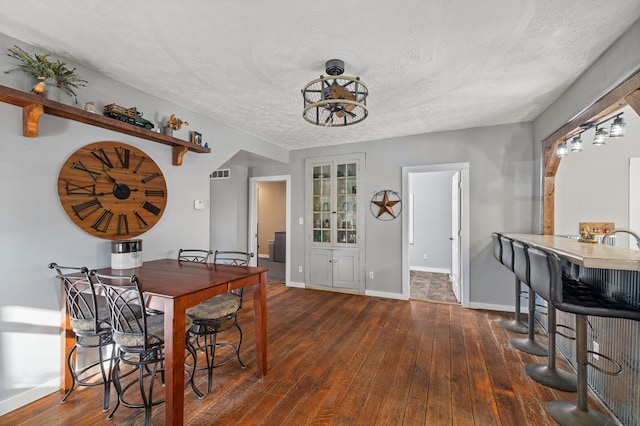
(340,359)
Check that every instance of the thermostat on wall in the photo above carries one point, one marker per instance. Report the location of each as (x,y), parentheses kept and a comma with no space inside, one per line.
(199,204)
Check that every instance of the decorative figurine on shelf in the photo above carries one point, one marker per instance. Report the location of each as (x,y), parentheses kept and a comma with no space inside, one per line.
(127,115)
(173,123)
(90,107)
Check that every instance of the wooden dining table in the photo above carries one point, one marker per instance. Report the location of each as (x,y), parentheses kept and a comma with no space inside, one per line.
(173,286)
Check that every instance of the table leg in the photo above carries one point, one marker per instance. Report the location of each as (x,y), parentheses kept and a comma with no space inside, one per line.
(174,361)
(68,340)
(260,318)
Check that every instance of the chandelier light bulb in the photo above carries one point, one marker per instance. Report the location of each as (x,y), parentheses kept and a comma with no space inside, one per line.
(618,128)
(600,137)
(576,144)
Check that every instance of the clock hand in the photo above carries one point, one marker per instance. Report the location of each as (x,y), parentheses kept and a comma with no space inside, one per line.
(111,178)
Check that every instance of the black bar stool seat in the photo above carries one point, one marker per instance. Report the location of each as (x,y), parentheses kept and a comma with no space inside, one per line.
(503,253)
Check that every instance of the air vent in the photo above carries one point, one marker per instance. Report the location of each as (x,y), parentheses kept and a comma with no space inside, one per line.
(221,174)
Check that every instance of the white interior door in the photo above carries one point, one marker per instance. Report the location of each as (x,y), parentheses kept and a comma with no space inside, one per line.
(455,235)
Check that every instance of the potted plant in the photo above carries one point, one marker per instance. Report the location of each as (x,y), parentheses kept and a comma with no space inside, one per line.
(173,123)
(56,75)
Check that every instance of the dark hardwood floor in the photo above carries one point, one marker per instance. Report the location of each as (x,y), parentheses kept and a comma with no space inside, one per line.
(340,359)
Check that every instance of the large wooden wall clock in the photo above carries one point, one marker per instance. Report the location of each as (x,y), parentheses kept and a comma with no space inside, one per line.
(112,190)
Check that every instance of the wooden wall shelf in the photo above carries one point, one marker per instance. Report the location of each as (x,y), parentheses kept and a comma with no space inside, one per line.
(33,106)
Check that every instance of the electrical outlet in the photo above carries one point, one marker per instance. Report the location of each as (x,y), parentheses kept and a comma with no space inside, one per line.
(299,268)
(596,348)
(371,275)
(424,256)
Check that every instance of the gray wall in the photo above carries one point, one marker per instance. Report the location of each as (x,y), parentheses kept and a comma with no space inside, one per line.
(432,221)
(229,210)
(501,188)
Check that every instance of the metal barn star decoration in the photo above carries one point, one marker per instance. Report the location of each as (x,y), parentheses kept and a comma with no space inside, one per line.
(386,202)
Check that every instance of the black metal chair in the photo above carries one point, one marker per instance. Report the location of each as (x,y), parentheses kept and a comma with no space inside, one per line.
(503,252)
(194,255)
(218,314)
(547,374)
(139,343)
(521,268)
(89,320)
(572,296)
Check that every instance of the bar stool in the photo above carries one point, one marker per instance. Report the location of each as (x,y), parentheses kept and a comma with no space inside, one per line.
(522,270)
(575,297)
(547,374)
(503,252)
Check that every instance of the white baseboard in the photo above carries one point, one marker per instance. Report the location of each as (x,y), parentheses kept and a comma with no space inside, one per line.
(434,270)
(29,396)
(296,284)
(492,307)
(385,295)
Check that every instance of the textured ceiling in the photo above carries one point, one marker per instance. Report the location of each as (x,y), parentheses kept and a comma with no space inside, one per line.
(430,65)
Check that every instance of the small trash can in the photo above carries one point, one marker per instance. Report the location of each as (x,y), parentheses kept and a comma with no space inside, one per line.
(272,250)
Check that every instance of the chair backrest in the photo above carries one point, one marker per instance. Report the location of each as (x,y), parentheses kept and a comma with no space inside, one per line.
(126,307)
(194,255)
(521,265)
(236,258)
(546,274)
(81,300)
(507,252)
(497,246)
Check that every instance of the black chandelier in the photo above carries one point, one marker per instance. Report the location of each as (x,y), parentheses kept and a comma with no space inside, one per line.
(335,100)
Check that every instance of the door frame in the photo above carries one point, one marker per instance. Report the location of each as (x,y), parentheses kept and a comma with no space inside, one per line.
(463,168)
(253,219)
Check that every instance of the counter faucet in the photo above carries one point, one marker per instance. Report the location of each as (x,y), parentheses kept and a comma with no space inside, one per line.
(623,230)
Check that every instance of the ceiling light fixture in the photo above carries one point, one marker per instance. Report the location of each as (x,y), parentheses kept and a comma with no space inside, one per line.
(562,150)
(601,136)
(618,128)
(576,143)
(335,100)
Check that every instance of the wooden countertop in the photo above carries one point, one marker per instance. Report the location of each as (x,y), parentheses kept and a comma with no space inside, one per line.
(588,255)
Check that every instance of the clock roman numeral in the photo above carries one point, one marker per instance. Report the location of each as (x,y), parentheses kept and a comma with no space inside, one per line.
(151,208)
(123,225)
(102,222)
(151,177)
(73,189)
(154,192)
(135,169)
(123,156)
(141,222)
(84,210)
(78,165)
(103,157)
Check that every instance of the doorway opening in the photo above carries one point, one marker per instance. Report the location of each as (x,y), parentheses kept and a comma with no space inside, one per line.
(435,237)
(269,225)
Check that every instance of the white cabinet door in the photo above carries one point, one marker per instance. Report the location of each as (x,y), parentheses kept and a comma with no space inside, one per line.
(346,269)
(337,268)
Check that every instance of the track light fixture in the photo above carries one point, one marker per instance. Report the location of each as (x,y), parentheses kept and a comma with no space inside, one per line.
(618,128)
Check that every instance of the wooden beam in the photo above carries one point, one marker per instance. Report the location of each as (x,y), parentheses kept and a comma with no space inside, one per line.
(633,99)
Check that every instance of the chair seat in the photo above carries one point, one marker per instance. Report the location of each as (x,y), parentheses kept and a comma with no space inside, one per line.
(581,299)
(217,307)
(155,332)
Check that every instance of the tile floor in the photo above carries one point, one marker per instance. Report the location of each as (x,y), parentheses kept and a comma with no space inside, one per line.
(432,287)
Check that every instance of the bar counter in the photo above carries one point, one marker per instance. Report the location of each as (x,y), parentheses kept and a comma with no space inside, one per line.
(614,271)
(587,255)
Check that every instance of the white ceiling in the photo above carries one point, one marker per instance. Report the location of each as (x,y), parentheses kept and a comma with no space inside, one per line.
(430,65)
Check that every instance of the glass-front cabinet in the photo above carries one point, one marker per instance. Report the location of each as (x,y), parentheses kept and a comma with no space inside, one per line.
(334,220)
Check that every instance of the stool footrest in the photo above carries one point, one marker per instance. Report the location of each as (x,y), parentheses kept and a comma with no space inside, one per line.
(618,368)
